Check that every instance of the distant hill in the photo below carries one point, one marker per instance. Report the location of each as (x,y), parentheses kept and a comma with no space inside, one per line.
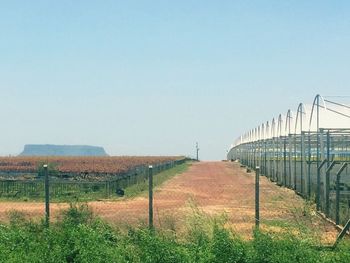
(62,150)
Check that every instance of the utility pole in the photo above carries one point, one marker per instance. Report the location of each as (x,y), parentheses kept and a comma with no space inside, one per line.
(197,149)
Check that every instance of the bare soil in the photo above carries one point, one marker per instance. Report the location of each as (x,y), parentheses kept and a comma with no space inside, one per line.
(216,188)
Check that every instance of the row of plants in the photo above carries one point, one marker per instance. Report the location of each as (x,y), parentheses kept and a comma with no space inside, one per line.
(81,164)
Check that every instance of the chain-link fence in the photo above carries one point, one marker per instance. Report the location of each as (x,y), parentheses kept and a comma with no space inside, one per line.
(185,196)
(72,189)
(313,164)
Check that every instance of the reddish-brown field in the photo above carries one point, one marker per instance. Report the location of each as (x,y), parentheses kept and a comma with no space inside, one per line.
(214,188)
(110,165)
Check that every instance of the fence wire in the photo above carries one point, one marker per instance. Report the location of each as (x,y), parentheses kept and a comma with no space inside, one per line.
(31,185)
(313,164)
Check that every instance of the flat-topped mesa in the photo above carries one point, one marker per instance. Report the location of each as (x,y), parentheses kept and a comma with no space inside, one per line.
(62,150)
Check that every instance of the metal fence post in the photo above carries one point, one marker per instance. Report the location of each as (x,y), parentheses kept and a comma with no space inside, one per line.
(47,195)
(327,187)
(318,189)
(309,167)
(327,183)
(342,233)
(107,189)
(150,196)
(295,163)
(257,195)
(284,182)
(337,197)
(302,159)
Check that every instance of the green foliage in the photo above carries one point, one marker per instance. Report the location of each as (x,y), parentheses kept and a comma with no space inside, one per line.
(78,236)
(225,247)
(157,247)
(271,248)
(77,214)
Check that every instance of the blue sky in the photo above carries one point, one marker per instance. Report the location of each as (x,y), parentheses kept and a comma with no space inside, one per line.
(154,77)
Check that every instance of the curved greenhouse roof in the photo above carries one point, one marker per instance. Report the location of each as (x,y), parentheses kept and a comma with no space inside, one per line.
(322,113)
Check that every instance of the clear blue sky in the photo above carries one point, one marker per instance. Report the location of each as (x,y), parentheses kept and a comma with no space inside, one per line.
(154,77)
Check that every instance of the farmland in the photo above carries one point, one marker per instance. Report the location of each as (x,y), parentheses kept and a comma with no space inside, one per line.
(230,191)
(190,226)
(77,165)
(76,178)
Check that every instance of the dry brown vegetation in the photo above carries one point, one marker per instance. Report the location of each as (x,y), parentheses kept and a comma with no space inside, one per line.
(110,164)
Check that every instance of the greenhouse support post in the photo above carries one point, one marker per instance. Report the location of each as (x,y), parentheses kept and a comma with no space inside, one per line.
(337,195)
(318,190)
(257,195)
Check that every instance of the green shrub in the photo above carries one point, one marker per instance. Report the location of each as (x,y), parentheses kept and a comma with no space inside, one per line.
(77,214)
(80,237)
(226,248)
(156,247)
(270,248)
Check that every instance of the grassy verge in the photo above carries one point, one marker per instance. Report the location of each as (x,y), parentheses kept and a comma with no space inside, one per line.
(158,179)
(80,237)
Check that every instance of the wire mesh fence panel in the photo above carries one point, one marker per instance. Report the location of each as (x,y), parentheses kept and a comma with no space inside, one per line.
(104,193)
(339,195)
(13,189)
(310,164)
(61,187)
(338,183)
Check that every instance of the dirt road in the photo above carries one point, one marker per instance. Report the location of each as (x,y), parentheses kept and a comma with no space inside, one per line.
(213,187)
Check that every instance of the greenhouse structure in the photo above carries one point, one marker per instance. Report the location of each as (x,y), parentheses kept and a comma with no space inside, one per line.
(307,150)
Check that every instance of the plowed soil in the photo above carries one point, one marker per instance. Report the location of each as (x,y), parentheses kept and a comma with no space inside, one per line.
(212,187)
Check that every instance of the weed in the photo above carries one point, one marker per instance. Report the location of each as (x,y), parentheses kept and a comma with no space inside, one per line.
(78,236)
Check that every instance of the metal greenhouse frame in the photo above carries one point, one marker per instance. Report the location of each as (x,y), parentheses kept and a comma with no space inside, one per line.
(307,151)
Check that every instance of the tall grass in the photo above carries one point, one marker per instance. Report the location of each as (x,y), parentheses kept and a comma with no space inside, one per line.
(78,236)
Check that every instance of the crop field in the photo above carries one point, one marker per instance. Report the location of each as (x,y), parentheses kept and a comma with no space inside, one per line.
(90,165)
(76,178)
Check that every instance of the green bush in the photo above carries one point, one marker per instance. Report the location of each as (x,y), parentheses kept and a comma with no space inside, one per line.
(77,214)
(227,248)
(270,248)
(78,236)
(155,247)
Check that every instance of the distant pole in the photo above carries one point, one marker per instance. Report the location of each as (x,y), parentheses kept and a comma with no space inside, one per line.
(150,196)
(197,149)
(257,212)
(47,195)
